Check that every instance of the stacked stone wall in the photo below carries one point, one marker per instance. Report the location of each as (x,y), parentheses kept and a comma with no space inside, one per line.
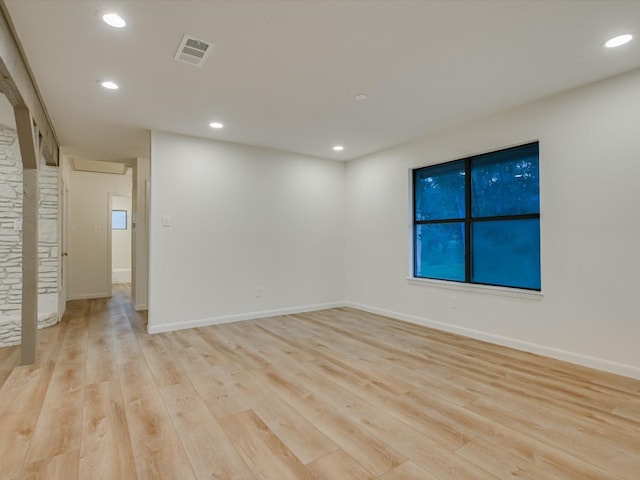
(11,241)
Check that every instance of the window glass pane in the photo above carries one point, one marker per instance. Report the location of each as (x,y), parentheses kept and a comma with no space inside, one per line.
(440,251)
(505,182)
(118,219)
(506,253)
(439,192)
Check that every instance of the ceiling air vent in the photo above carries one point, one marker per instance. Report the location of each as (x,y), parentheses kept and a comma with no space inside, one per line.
(193,51)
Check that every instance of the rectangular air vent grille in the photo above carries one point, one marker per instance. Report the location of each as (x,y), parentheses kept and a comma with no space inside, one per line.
(193,51)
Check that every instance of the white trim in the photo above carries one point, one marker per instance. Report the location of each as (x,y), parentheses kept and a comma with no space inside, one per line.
(109,244)
(142,306)
(89,296)
(121,275)
(205,322)
(564,355)
(567,356)
(477,288)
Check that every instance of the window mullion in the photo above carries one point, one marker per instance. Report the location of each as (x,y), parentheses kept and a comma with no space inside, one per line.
(467,222)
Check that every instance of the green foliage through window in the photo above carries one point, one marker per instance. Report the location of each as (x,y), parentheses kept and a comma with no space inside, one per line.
(477,220)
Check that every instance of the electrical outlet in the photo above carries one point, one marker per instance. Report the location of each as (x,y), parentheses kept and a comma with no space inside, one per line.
(258,292)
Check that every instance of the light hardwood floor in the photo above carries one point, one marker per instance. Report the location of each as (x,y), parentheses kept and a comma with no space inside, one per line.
(9,359)
(337,395)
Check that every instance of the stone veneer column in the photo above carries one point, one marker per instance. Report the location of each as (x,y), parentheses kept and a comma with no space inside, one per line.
(11,241)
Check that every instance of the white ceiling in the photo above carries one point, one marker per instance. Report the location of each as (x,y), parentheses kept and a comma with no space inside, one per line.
(283,74)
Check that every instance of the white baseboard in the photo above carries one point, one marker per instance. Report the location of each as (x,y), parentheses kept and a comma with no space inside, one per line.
(567,356)
(89,296)
(564,355)
(121,275)
(205,322)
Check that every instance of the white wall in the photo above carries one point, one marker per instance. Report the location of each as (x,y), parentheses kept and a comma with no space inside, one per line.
(89,268)
(121,243)
(590,222)
(241,218)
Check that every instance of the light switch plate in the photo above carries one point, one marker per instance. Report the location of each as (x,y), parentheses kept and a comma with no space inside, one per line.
(166,221)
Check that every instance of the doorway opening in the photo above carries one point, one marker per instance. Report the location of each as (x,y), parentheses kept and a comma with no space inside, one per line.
(121,226)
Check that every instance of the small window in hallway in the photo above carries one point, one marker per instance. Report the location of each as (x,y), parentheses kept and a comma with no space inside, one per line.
(118,219)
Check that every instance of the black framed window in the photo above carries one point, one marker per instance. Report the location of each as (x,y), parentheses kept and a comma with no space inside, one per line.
(477,220)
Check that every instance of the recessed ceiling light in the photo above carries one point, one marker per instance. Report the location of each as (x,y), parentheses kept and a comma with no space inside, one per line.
(618,41)
(338,148)
(114,20)
(216,125)
(360,97)
(109,85)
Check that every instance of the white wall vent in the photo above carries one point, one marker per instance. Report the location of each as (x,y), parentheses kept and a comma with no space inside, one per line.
(193,51)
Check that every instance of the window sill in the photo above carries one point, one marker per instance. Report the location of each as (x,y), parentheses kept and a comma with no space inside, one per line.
(472,288)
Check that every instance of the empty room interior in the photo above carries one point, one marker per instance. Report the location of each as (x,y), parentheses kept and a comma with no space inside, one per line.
(339,240)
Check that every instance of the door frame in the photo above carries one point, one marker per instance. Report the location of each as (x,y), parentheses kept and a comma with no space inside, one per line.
(65,220)
(110,236)
(109,246)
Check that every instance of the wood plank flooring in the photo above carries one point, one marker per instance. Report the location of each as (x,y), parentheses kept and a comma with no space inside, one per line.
(336,395)
(9,359)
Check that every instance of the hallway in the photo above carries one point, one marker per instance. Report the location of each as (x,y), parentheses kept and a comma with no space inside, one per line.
(40,403)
